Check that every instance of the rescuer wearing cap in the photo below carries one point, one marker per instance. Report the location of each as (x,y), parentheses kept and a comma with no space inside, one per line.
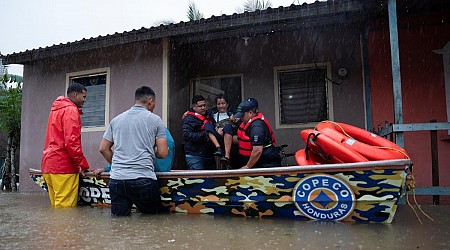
(255,137)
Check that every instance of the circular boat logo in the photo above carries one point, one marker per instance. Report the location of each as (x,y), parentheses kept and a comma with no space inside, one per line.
(323,197)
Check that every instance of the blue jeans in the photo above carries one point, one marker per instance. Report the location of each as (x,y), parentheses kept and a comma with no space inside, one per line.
(143,192)
(200,162)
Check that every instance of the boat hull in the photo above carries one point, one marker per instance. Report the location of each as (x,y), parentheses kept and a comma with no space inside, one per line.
(355,192)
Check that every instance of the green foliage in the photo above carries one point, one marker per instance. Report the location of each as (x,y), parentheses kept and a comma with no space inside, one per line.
(10,114)
(10,108)
(252,5)
(193,12)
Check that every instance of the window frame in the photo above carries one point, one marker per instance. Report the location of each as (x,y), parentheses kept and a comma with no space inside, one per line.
(192,81)
(329,92)
(97,71)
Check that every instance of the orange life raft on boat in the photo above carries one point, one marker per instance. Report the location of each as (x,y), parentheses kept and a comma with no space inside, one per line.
(360,134)
(333,142)
(329,148)
(303,160)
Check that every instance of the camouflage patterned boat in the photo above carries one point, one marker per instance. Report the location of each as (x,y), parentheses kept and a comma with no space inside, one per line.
(354,192)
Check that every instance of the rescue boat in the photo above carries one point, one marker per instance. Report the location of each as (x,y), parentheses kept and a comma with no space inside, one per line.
(351,192)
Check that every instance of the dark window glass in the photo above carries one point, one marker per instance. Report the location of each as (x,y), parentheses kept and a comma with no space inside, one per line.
(94,108)
(303,95)
(210,88)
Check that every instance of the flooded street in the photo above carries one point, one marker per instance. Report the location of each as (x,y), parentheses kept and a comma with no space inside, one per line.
(27,221)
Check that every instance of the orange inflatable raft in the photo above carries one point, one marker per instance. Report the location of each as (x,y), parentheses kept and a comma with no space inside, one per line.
(324,145)
(334,142)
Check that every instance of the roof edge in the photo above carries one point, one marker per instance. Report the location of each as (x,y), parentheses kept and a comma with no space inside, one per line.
(213,24)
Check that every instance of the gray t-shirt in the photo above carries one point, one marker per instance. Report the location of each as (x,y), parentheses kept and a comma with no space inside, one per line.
(134,133)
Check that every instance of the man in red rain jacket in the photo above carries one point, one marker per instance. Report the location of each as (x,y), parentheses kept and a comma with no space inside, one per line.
(63,158)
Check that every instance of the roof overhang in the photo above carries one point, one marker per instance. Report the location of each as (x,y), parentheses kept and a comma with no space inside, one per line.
(294,17)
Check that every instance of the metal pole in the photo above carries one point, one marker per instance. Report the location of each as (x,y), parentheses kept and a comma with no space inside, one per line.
(434,162)
(395,61)
(366,75)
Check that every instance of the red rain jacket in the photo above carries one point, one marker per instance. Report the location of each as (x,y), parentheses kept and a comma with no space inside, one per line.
(63,153)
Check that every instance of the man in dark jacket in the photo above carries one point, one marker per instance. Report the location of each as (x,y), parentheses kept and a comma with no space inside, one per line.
(197,145)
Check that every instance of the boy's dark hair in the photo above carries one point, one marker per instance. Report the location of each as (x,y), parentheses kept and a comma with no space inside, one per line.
(144,93)
(222,96)
(197,98)
(76,87)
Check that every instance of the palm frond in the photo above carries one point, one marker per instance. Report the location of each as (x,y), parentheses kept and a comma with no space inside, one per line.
(253,5)
(193,12)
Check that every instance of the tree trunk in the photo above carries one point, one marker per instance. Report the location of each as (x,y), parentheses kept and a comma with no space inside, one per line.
(3,175)
(7,171)
(13,165)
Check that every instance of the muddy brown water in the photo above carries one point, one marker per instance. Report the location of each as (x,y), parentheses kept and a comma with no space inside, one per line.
(28,222)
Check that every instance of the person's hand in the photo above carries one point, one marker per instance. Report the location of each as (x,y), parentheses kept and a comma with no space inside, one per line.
(220,131)
(97,172)
(245,167)
(184,115)
(82,172)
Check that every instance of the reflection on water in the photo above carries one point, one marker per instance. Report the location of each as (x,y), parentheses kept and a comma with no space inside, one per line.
(27,221)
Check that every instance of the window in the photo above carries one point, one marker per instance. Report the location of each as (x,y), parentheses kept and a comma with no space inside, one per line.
(95,109)
(230,86)
(302,95)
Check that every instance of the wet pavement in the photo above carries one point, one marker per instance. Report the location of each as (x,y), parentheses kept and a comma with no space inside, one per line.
(27,221)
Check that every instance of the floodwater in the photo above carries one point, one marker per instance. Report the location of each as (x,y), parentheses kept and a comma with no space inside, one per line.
(27,221)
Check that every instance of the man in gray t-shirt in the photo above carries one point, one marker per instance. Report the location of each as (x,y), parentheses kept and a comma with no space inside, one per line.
(138,136)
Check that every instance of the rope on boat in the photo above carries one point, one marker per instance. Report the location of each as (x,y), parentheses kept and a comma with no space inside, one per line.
(380,147)
(335,124)
(410,184)
(313,138)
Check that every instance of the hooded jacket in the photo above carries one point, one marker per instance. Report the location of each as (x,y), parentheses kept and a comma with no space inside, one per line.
(63,153)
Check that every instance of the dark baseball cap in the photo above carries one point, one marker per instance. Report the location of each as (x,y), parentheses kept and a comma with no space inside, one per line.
(254,101)
(244,107)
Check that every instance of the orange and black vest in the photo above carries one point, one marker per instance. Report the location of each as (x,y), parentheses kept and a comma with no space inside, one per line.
(245,144)
(202,118)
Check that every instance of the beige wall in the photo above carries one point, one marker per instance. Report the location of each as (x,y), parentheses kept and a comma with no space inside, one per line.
(130,66)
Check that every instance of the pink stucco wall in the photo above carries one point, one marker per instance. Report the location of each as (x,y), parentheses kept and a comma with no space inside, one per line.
(130,66)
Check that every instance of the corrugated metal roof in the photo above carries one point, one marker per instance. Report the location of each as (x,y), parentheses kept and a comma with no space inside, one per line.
(332,12)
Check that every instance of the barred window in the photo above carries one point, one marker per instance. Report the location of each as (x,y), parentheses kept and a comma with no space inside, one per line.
(302,96)
(95,108)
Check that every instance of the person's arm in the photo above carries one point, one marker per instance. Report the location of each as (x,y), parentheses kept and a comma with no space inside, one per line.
(106,151)
(254,157)
(185,114)
(161,146)
(72,137)
(162,149)
(190,133)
